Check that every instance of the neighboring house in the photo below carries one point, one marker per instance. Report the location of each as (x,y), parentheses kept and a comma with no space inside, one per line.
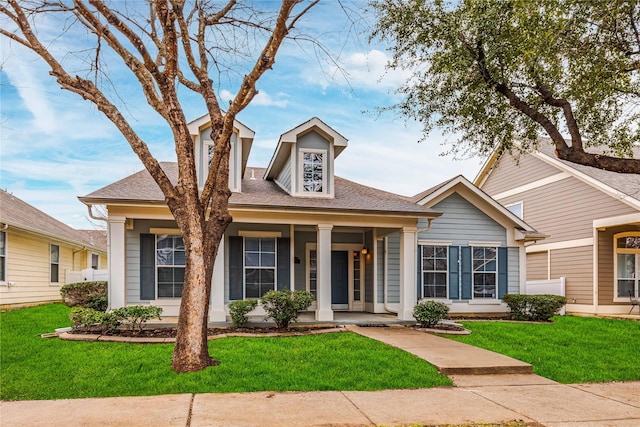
(37,251)
(592,217)
(298,226)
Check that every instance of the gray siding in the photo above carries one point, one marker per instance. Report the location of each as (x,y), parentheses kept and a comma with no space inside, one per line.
(461,223)
(284,178)
(513,265)
(368,265)
(133,256)
(566,209)
(393,268)
(508,173)
(300,270)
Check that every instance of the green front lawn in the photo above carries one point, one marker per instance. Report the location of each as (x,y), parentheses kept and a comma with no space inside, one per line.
(36,368)
(569,350)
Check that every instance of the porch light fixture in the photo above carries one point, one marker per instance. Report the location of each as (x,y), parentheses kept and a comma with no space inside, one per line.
(364,251)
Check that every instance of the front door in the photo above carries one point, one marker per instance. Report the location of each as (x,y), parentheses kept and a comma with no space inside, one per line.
(340,280)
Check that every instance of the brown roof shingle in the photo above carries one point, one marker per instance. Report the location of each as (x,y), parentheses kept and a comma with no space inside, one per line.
(18,213)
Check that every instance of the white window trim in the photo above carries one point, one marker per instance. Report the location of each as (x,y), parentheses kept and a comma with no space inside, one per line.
(259,234)
(90,259)
(300,174)
(617,251)
(489,244)
(175,232)
(5,281)
(434,243)
(473,284)
(251,233)
(51,263)
(422,270)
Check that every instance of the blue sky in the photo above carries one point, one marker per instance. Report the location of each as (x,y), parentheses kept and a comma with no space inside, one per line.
(56,146)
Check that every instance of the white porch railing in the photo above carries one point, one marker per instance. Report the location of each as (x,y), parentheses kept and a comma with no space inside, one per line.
(553,287)
(86,275)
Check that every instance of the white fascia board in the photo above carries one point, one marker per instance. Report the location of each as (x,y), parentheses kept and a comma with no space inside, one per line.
(617,220)
(198,124)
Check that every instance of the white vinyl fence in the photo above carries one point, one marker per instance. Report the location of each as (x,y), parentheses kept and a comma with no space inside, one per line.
(86,275)
(553,287)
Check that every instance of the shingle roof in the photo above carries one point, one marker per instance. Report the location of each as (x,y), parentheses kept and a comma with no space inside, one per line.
(349,196)
(626,183)
(17,213)
(428,191)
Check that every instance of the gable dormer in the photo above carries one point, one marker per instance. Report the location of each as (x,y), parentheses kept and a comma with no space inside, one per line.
(241,141)
(302,164)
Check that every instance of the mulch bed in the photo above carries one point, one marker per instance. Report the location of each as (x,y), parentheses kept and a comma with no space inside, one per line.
(171,332)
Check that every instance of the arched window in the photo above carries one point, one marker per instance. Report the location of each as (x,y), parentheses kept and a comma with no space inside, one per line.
(627,264)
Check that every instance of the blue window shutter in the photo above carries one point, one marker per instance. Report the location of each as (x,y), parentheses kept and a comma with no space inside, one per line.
(419,281)
(466,267)
(503,281)
(454,272)
(147,267)
(284,264)
(235,268)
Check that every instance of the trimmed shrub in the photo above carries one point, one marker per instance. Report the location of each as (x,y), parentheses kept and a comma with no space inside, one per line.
(86,294)
(539,308)
(428,313)
(90,320)
(239,310)
(285,306)
(136,316)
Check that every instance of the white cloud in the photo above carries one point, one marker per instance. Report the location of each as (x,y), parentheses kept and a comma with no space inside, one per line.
(262,99)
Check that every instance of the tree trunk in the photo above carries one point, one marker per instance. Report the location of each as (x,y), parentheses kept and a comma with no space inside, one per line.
(201,247)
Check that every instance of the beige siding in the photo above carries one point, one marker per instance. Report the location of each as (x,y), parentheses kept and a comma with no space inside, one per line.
(28,266)
(576,265)
(509,174)
(537,266)
(606,261)
(565,209)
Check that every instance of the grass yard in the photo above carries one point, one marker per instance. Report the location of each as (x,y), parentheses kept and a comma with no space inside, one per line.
(570,350)
(36,368)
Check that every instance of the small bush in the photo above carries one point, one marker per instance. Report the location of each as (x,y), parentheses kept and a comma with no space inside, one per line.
(239,310)
(136,316)
(428,313)
(90,320)
(539,308)
(285,306)
(85,294)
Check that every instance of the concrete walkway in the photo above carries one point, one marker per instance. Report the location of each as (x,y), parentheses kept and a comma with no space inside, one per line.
(479,398)
(448,356)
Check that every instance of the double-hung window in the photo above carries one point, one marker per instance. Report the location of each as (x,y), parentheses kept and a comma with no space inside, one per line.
(627,247)
(170,262)
(3,256)
(484,272)
(259,265)
(434,271)
(54,262)
(95,261)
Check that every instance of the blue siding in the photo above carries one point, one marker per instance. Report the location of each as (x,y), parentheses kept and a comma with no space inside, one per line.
(368,266)
(461,222)
(284,179)
(514,270)
(393,268)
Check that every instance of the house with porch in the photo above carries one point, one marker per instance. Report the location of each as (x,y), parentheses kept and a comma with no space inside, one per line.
(592,217)
(296,225)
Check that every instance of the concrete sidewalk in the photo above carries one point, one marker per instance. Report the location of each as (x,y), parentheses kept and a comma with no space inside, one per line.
(484,397)
(552,405)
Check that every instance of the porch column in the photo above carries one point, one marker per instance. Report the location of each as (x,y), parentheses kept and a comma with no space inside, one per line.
(216,305)
(323,285)
(408,273)
(117,255)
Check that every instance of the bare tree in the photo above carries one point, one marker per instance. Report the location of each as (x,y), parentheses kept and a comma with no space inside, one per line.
(167,46)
